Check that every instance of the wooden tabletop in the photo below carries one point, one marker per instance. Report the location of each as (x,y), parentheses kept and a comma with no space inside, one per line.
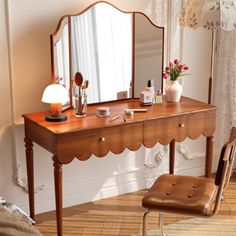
(91,121)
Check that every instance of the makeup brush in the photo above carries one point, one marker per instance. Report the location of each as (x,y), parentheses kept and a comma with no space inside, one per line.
(86,83)
(78,79)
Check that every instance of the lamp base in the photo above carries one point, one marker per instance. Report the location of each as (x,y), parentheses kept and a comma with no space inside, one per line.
(60,118)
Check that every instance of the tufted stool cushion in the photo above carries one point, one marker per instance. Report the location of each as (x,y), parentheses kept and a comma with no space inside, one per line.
(181,194)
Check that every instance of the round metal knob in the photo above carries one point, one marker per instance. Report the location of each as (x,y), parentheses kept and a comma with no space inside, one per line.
(102,139)
(181,125)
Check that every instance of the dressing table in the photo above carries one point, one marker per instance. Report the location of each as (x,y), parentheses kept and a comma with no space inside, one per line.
(137,56)
(80,138)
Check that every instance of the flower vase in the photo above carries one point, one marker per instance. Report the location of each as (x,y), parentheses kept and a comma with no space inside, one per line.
(173,91)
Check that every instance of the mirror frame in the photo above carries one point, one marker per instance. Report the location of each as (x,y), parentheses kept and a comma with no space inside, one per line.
(54,37)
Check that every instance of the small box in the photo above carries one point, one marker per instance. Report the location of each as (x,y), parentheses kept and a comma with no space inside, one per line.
(122,95)
(103,111)
(145,98)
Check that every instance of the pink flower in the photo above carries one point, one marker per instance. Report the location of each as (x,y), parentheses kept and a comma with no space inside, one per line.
(164,75)
(175,70)
(176,61)
(179,66)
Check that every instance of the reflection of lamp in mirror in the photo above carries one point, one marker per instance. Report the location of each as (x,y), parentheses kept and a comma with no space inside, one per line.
(56,95)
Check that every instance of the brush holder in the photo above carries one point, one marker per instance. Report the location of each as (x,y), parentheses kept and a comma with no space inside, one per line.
(80,105)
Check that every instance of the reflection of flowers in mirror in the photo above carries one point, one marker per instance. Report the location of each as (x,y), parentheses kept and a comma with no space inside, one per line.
(175,70)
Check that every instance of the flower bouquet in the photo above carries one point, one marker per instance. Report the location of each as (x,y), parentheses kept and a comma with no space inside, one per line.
(174,70)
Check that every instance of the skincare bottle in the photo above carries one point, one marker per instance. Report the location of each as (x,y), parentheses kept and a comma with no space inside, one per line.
(150,88)
(158,96)
(145,98)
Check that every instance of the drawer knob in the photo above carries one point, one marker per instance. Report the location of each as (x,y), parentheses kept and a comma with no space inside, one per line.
(181,125)
(102,139)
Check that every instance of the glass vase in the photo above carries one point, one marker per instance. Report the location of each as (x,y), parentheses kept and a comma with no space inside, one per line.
(80,106)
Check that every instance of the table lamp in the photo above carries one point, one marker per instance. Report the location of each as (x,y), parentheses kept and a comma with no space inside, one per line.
(55,94)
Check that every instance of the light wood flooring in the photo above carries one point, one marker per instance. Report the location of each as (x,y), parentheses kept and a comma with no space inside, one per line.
(118,216)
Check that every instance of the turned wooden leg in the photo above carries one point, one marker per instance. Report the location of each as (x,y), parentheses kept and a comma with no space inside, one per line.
(58,193)
(172,157)
(209,156)
(30,174)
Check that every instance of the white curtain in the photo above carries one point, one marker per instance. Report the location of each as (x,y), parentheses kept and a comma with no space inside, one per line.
(83,43)
(114,44)
(221,15)
(102,51)
(218,15)
(210,14)
(225,86)
(166,14)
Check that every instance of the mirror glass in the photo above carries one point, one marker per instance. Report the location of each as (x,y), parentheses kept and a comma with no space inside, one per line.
(101,42)
(116,51)
(148,54)
(60,54)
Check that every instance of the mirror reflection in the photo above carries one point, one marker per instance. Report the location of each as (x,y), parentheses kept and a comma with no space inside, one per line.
(116,51)
(101,41)
(60,60)
(148,54)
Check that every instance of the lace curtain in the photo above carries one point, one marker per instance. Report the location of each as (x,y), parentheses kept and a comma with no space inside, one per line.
(221,15)
(224,95)
(210,14)
(164,14)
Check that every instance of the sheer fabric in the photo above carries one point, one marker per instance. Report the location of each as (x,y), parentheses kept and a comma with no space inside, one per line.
(221,15)
(210,14)
(225,86)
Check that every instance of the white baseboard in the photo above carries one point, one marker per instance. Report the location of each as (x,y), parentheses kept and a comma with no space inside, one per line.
(79,191)
(192,171)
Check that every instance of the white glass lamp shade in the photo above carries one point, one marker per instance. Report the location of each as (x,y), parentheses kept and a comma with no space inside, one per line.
(55,93)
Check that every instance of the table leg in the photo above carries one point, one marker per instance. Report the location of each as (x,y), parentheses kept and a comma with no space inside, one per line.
(58,194)
(172,157)
(30,174)
(209,156)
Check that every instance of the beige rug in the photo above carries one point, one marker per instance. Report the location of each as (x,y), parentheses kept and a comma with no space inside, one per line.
(198,227)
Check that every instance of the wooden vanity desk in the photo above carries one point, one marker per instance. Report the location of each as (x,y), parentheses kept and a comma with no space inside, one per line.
(81,137)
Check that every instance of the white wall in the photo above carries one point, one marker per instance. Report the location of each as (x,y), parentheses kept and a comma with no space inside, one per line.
(31,23)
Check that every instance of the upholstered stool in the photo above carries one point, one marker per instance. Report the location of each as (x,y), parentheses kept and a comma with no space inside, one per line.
(190,195)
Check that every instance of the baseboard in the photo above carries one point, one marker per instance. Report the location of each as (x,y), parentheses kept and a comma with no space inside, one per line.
(78,191)
(194,171)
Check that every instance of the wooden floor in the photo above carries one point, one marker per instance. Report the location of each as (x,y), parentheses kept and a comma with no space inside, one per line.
(118,216)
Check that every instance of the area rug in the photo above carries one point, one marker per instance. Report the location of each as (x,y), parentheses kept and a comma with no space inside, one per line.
(198,227)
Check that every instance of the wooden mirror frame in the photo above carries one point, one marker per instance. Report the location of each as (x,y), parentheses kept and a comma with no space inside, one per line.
(54,37)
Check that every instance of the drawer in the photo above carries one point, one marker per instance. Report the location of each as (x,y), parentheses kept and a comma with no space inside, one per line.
(192,125)
(99,142)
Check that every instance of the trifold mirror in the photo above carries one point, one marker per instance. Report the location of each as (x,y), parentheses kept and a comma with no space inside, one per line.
(118,52)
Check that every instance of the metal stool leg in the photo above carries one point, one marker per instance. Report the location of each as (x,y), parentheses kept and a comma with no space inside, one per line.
(144,231)
(161,224)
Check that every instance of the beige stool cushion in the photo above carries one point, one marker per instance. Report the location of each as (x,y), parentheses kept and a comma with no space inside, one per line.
(181,195)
